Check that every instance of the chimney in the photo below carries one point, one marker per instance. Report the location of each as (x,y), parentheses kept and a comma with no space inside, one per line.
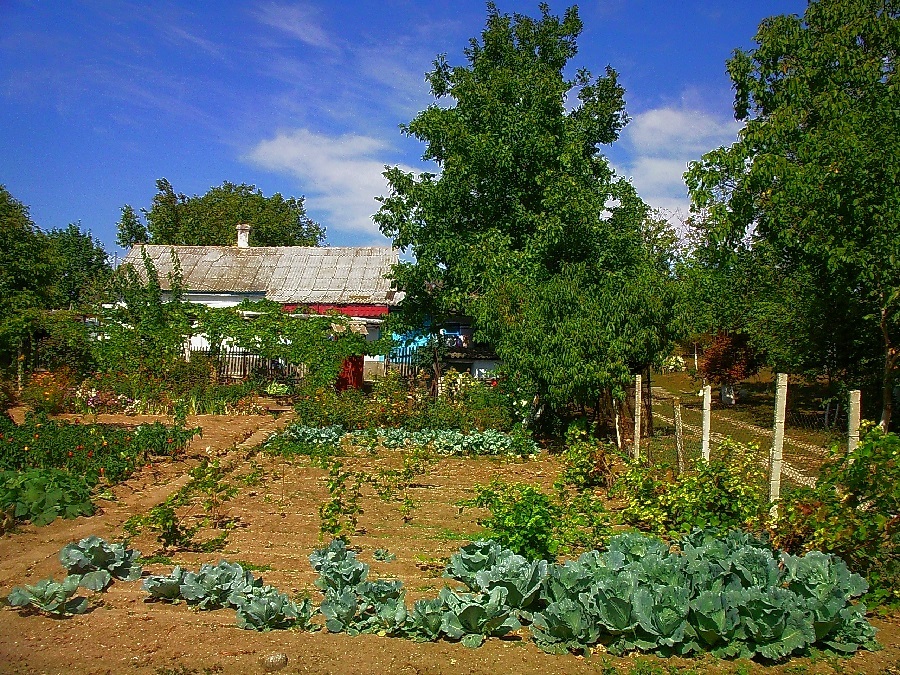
(243,235)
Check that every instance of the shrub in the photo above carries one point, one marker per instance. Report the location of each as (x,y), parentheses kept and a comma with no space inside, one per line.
(43,495)
(49,392)
(727,492)
(522,518)
(854,512)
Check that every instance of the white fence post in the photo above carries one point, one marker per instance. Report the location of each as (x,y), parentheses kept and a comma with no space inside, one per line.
(679,434)
(707,405)
(853,421)
(637,417)
(775,457)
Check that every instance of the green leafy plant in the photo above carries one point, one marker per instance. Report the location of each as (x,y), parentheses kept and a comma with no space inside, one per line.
(339,515)
(852,512)
(728,492)
(268,609)
(93,553)
(471,618)
(42,495)
(50,597)
(522,518)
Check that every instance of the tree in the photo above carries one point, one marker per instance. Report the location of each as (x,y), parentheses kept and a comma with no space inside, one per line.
(812,182)
(211,219)
(24,274)
(526,227)
(79,268)
(130,229)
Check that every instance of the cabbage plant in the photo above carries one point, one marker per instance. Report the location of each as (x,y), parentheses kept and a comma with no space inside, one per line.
(92,554)
(51,597)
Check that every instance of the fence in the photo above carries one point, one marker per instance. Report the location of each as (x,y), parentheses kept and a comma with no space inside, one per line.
(235,363)
(402,360)
(798,440)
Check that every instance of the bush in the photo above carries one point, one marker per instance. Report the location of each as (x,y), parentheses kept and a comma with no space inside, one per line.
(727,492)
(49,392)
(853,512)
(523,519)
(394,402)
(43,495)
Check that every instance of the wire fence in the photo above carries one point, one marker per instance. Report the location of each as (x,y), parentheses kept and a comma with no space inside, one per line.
(809,435)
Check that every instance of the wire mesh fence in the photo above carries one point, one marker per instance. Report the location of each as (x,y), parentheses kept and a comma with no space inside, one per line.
(810,434)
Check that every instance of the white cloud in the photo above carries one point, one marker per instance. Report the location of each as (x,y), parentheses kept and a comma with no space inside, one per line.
(297,21)
(661,142)
(341,175)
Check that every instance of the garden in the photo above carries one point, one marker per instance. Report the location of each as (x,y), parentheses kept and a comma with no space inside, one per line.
(438,534)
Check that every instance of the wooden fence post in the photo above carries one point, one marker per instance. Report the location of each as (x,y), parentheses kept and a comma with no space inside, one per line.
(679,434)
(707,405)
(853,421)
(775,456)
(637,417)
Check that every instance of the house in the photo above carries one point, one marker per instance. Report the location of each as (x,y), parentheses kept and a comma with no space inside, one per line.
(354,281)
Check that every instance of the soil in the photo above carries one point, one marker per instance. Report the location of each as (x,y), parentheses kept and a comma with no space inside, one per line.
(277,527)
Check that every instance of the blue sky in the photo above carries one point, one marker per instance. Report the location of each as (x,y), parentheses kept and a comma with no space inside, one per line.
(99,99)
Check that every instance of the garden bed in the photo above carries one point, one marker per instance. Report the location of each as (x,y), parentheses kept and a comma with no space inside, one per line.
(277,526)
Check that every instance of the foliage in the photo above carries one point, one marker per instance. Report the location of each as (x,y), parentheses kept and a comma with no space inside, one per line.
(397,403)
(48,393)
(50,597)
(729,359)
(80,268)
(587,464)
(472,618)
(93,553)
(211,219)
(268,609)
(809,192)
(25,270)
(321,343)
(522,518)
(340,514)
(141,335)
(727,492)
(162,519)
(42,495)
(91,451)
(525,226)
(852,512)
(300,439)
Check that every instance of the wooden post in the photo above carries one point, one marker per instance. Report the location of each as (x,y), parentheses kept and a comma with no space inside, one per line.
(637,417)
(679,434)
(775,457)
(20,367)
(707,405)
(853,421)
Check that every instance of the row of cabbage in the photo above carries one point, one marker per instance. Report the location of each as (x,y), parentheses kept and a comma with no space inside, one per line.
(728,594)
(440,441)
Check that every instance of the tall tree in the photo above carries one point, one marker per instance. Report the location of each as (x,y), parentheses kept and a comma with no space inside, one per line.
(79,267)
(526,227)
(813,178)
(25,271)
(211,219)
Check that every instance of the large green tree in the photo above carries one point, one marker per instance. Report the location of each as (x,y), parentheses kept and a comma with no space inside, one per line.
(526,227)
(211,219)
(25,273)
(80,269)
(812,185)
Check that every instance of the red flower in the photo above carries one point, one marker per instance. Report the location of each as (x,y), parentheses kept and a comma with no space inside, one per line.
(71,453)
(90,453)
(169,440)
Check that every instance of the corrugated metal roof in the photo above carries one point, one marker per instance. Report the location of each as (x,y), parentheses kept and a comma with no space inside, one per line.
(286,274)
